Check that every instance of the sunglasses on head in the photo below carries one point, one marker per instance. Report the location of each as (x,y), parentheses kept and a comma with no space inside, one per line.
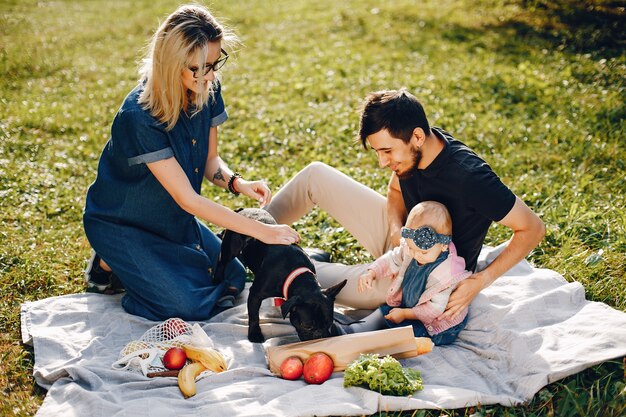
(425,237)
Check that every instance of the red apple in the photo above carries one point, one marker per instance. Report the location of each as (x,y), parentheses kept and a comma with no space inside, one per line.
(291,368)
(318,368)
(174,358)
(175,327)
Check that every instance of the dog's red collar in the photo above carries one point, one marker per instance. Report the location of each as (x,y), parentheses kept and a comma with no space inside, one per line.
(290,278)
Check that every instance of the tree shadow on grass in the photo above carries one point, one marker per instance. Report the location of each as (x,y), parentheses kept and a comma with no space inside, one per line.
(573,27)
(595,27)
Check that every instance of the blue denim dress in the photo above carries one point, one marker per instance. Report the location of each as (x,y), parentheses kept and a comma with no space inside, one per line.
(413,285)
(163,255)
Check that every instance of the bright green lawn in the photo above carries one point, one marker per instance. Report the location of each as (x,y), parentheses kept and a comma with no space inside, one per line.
(535,86)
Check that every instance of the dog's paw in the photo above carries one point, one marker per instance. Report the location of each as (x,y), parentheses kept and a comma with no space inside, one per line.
(256,337)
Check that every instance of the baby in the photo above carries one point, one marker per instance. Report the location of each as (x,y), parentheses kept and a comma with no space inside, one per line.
(425,269)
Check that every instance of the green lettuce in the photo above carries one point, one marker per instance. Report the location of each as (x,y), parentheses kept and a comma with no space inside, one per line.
(384,375)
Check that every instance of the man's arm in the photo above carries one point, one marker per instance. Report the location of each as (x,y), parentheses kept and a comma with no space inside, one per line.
(528,231)
(396,211)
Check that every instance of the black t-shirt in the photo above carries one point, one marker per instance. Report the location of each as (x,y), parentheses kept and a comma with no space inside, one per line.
(468,187)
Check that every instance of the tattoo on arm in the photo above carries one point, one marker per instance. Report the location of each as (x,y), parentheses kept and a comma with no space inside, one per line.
(218,175)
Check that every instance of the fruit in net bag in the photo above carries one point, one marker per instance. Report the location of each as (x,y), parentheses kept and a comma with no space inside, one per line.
(318,368)
(174,358)
(291,368)
(175,327)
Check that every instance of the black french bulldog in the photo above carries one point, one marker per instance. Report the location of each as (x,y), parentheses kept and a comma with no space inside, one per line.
(309,307)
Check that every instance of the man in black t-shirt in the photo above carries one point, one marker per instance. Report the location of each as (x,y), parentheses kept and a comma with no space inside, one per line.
(427,164)
(466,185)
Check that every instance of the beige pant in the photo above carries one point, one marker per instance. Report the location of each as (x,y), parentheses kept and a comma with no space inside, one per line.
(359,209)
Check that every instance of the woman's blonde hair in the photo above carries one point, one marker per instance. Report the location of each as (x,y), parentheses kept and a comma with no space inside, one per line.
(430,213)
(181,39)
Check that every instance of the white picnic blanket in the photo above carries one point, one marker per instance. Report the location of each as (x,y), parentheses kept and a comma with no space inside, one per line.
(528,329)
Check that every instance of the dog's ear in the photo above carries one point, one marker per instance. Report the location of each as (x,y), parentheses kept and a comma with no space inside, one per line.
(335,289)
(286,307)
(232,245)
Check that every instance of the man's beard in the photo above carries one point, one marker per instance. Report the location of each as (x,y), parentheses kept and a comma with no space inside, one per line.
(416,155)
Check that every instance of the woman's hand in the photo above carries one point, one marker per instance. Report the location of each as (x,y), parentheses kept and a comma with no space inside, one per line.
(366,280)
(257,190)
(279,234)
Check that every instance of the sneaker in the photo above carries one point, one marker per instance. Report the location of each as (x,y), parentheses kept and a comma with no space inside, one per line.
(101,281)
(317,254)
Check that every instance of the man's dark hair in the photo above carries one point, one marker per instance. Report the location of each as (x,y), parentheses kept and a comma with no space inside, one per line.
(397,111)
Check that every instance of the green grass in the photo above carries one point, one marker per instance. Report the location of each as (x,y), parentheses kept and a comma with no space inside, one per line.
(536,87)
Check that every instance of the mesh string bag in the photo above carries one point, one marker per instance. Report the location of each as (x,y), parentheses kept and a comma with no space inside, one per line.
(145,354)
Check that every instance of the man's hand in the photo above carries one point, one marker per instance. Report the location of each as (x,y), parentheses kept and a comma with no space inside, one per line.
(397,315)
(528,230)
(462,296)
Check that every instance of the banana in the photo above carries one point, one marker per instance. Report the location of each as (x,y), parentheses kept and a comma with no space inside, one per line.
(209,357)
(187,378)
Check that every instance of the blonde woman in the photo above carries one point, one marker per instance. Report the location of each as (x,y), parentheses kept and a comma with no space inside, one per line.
(141,211)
